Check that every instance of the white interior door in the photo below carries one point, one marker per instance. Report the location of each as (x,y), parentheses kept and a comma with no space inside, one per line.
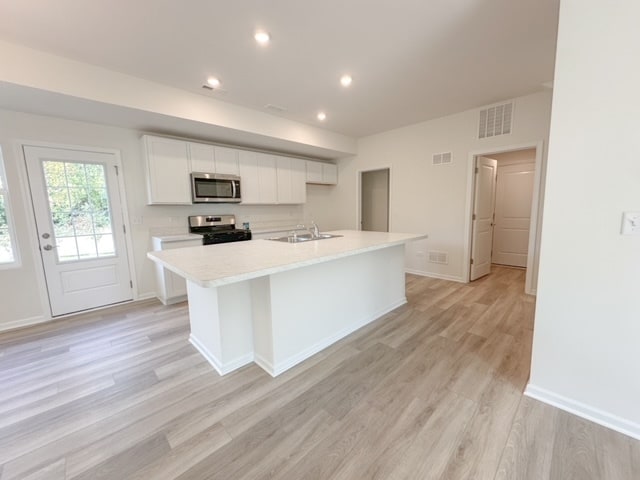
(78,217)
(483,212)
(514,191)
(374,201)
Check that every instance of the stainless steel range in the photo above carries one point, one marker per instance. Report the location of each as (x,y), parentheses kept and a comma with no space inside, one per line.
(217,229)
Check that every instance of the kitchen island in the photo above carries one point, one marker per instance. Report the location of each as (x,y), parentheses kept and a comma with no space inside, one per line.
(277,304)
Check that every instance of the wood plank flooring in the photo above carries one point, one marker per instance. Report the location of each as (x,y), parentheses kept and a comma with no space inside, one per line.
(433,390)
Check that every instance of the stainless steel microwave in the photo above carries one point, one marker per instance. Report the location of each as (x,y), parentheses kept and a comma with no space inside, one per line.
(215,188)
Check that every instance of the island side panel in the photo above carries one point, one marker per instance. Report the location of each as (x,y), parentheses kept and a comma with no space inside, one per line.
(315,306)
(221,325)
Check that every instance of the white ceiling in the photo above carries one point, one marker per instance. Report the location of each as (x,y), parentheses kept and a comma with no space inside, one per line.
(411,60)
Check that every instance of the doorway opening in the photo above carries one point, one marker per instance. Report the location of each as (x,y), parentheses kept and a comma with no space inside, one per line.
(374,200)
(504,214)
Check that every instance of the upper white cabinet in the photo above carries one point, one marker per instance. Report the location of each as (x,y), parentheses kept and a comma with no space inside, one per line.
(213,159)
(322,173)
(202,158)
(258,177)
(265,178)
(168,168)
(291,175)
(226,160)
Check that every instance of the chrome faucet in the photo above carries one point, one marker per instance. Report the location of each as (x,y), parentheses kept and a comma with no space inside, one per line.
(314,230)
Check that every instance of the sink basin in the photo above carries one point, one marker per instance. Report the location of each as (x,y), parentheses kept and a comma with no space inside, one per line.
(303,238)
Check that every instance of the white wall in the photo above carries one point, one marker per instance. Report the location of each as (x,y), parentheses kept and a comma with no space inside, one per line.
(22,294)
(587,329)
(427,198)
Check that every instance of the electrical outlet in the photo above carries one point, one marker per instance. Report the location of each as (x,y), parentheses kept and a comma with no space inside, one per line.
(630,223)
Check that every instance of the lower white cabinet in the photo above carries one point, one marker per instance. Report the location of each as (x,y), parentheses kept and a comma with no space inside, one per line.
(172,288)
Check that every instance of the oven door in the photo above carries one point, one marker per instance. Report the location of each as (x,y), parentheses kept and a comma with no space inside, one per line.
(214,188)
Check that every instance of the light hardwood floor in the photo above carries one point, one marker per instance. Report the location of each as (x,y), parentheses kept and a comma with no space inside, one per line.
(430,391)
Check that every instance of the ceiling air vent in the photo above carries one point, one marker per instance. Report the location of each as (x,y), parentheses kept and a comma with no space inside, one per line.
(496,120)
(442,158)
(275,108)
(438,257)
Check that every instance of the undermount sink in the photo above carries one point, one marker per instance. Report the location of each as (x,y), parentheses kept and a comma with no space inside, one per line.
(303,238)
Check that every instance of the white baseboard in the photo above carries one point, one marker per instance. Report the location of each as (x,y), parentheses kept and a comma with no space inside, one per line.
(283,366)
(588,412)
(439,276)
(221,368)
(265,364)
(146,296)
(23,322)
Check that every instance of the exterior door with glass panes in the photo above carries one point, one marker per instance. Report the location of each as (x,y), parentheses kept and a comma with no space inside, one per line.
(78,215)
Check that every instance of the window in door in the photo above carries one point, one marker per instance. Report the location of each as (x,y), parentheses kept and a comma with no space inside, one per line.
(80,211)
(8,246)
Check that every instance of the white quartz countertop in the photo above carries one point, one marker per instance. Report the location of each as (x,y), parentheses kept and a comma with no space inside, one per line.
(221,264)
(178,237)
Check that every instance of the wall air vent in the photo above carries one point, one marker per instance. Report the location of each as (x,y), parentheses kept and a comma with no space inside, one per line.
(496,120)
(442,158)
(438,257)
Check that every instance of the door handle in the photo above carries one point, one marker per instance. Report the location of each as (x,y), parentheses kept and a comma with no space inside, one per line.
(48,247)
(45,235)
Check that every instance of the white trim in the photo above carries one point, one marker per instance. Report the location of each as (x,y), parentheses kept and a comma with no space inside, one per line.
(536,211)
(32,232)
(588,412)
(146,296)
(283,366)
(6,193)
(23,322)
(359,194)
(221,368)
(440,276)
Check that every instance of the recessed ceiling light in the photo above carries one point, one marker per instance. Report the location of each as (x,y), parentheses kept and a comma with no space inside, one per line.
(322,116)
(262,37)
(213,82)
(346,80)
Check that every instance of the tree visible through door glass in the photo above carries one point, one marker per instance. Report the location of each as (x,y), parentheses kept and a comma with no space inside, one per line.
(79,208)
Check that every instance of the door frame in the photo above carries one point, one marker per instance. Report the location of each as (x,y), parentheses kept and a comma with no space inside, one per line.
(533,253)
(359,194)
(34,242)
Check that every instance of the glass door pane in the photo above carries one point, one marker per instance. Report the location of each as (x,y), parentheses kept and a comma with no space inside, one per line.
(79,210)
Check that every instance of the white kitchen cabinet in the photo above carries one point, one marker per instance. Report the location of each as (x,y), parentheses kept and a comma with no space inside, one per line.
(167,168)
(259,182)
(249,186)
(291,180)
(329,174)
(322,173)
(213,159)
(202,157)
(267,178)
(226,160)
(314,172)
(172,288)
